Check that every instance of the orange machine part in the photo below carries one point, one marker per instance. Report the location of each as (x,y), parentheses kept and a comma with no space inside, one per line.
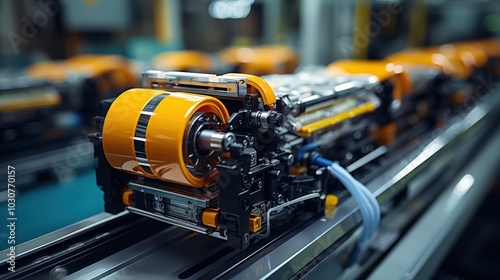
(184,61)
(431,58)
(55,71)
(261,60)
(384,71)
(263,88)
(121,72)
(468,56)
(164,140)
(254,223)
(386,134)
(18,102)
(127,196)
(491,46)
(210,217)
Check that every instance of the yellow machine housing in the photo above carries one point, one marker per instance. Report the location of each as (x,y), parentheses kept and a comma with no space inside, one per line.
(191,61)
(113,72)
(260,60)
(451,66)
(384,71)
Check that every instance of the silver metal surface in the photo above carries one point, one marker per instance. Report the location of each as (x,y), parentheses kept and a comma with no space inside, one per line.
(366,159)
(311,95)
(170,220)
(195,200)
(226,86)
(214,140)
(177,222)
(47,240)
(432,236)
(162,256)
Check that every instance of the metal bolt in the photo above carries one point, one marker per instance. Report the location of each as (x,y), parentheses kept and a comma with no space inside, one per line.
(245,238)
(246,204)
(59,272)
(348,156)
(357,135)
(280,199)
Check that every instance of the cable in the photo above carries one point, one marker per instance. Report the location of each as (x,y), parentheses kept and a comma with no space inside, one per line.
(341,172)
(374,203)
(368,204)
(306,148)
(364,241)
(367,212)
(291,202)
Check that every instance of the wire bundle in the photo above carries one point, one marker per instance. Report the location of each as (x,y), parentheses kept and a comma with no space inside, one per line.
(368,205)
(281,206)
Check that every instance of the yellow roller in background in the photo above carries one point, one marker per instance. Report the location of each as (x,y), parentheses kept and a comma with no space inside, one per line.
(384,71)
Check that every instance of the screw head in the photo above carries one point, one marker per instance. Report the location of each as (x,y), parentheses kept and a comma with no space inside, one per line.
(59,272)
(246,204)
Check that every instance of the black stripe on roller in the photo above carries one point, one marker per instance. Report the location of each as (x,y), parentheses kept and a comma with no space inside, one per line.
(140,131)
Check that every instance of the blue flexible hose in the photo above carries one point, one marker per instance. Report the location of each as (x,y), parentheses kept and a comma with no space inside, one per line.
(306,148)
(368,205)
(364,205)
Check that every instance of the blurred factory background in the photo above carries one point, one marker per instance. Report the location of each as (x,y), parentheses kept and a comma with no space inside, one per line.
(319,30)
(62,56)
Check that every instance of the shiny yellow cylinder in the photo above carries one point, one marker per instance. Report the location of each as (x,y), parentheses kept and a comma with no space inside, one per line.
(164,118)
(166,135)
(120,126)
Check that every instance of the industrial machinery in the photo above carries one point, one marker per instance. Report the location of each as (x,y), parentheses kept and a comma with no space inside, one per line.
(84,80)
(233,149)
(328,168)
(230,155)
(219,154)
(47,110)
(27,104)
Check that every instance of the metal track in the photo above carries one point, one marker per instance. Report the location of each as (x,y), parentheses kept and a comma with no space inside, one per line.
(77,246)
